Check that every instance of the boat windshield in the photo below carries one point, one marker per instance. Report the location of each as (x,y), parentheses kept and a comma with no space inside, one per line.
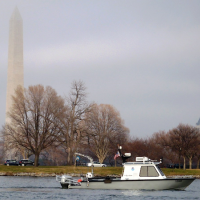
(161,172)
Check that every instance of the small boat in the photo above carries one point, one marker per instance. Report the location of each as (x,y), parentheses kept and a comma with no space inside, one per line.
(143,174)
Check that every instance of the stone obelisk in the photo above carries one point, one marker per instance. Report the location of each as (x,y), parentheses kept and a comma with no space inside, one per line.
(15,73)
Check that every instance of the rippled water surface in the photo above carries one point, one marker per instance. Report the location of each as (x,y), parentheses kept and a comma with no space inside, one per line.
(47,188)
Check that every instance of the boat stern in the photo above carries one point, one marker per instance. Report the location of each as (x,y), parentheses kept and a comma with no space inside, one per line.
(66,180)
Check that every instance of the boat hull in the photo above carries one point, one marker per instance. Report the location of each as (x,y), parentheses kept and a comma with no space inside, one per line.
(150,184)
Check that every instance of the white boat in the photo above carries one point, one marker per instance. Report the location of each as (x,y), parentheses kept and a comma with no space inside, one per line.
(143,174)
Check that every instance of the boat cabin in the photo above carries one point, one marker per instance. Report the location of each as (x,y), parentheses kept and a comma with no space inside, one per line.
(143,168)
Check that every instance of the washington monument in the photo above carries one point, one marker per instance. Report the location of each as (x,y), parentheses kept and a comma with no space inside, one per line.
(15,73)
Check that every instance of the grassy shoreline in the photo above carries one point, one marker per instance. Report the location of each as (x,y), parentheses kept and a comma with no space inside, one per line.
(77,171)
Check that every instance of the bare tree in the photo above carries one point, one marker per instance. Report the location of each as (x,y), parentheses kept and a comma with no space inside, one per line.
(104,127)
(35,119)
(198,155)
(54,155)
(137,147)
(77,107)
(184,140)
(161,141)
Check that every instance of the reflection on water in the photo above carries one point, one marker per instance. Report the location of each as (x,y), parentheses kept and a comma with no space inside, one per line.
(132,193)
(47,188)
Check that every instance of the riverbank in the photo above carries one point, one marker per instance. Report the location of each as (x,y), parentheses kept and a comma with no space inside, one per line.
(56,170)
(51,171)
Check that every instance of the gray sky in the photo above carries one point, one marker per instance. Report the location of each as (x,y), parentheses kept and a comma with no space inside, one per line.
(140,56)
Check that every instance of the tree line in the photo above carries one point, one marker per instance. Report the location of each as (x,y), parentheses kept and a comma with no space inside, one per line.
(42,123)
(177,146)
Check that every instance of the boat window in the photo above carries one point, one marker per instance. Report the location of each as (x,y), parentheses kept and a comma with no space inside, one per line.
(143,172)
(161,172)
(148,171)
(152,171)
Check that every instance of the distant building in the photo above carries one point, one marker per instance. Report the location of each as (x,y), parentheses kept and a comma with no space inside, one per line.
(15,73)
(198,124)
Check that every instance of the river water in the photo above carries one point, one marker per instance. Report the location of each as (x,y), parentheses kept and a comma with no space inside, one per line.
(13,187)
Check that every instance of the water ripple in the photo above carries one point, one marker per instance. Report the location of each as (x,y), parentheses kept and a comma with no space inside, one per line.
(30,188)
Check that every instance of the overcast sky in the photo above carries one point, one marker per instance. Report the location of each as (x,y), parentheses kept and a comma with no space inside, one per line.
(141,56)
